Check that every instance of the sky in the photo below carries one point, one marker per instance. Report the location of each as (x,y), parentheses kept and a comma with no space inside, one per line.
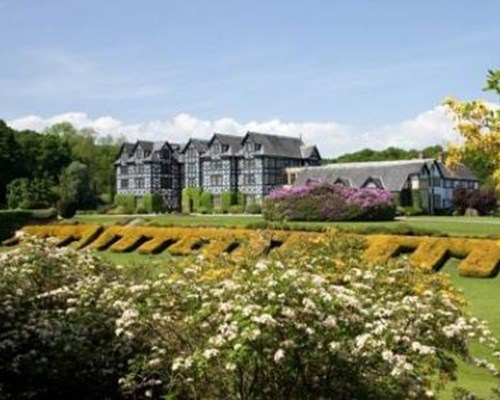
(343,75)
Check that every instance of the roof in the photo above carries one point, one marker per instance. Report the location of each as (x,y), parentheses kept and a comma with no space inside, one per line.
(460,171)
(392,174)
(277,145)
(200,145)
(232,141)
(308,151)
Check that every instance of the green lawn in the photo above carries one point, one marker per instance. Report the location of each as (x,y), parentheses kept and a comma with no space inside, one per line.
(453,226)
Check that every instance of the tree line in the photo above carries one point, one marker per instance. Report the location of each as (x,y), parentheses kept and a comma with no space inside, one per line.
(62,165)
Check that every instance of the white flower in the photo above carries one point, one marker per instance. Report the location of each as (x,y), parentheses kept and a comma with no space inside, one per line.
(230,366)
(330,322)
(334,346)
(288,312)
(209,353)
(387,355)
(279,355)
(264,319)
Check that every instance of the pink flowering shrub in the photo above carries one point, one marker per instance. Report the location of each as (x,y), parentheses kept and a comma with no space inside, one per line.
(324,202)
(311,323)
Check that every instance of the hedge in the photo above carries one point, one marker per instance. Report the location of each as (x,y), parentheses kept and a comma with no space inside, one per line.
(13,220)
(127,202)
(480,257)
(153,203)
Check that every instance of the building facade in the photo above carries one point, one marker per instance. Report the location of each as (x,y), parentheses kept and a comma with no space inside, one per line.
(424,183)
(253,164)
(150,168)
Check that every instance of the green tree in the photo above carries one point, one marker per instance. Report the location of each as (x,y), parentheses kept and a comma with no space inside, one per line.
(74,186)
(10,159)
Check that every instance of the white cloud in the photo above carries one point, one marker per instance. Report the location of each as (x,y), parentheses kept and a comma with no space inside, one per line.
(428,128)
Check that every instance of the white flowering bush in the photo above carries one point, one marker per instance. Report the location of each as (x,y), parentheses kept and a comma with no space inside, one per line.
(57,325)
(311,323)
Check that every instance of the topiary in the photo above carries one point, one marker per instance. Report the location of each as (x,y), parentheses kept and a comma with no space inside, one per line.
(67,208)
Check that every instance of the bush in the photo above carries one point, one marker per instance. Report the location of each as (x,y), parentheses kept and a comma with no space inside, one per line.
(73,328)
(227,200)
(410,211)
(58,321)
(190,200)
(325,202)
(236,209)
(126,202)
(151,203)
(30,194)
(253,208)
(484,201)
(11,221)
(67,208)
(241,199)
(206,203)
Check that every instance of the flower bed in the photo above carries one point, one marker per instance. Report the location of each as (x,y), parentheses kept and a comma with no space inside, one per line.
(325,202)
(480,257)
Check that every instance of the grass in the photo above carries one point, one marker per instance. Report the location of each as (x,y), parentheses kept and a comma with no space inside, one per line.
(483,297)
(452,226)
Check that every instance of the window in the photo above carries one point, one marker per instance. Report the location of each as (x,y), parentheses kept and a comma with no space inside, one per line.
(191,168)
(139,183)
(216,180)
(248,164)
(165,154)
(217,165)
(249,146)
(191,182)
(124,183)
(216,148)
(139,169)
(249,179)
(124,170)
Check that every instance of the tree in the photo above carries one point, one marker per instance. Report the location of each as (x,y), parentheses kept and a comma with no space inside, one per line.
(74,186)
(10,157)
(478,124)
(30,194)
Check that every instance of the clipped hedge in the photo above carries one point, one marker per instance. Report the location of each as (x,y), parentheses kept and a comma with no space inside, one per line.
(153,203)
(480,257)
(126,202)
(13,220)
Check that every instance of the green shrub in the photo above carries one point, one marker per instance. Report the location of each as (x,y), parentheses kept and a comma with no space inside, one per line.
(236,209)
(12,220)
(127,202)
(241,199)
(190,200)
(151,203)
(253,208)
(67,208)
(206,202)
(227,200)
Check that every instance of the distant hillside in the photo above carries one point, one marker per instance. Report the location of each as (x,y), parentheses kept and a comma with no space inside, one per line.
(391,153)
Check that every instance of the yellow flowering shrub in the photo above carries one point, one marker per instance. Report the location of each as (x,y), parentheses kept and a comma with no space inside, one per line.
(79,236)
(480,257)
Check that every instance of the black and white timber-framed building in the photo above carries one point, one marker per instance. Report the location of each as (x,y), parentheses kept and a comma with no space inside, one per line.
(253,164)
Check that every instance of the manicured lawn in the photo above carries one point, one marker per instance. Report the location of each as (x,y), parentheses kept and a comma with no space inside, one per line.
(453,226)
(483,296)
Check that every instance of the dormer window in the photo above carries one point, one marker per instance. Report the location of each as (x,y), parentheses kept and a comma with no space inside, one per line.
(146,153)
(258,147)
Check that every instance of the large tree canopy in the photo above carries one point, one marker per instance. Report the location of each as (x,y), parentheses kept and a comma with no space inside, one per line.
(478,125)
(39,157)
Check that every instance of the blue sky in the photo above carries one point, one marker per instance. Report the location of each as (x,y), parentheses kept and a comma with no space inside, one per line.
(339,70)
